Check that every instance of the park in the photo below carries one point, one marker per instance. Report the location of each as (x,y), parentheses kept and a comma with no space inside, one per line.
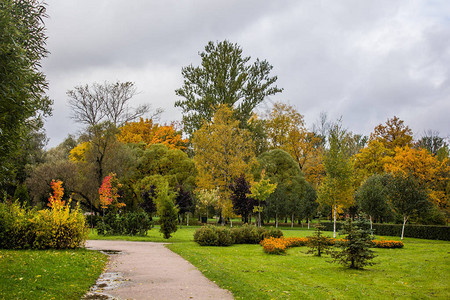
(229,202)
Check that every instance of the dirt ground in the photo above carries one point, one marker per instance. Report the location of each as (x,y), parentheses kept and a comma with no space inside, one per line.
(144,270)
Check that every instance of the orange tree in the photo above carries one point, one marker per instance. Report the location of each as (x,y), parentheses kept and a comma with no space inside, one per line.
(149,133)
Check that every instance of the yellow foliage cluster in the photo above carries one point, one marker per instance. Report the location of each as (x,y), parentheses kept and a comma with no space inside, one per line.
(78,153)
(148,132)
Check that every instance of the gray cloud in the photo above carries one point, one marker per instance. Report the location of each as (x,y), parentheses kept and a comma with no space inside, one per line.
(364,60)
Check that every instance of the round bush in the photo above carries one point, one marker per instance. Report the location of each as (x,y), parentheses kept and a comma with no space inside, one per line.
(213,236)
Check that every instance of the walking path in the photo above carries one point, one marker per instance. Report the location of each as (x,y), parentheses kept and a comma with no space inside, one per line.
(146,270)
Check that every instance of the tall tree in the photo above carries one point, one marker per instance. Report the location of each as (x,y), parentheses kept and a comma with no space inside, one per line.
(23,102)
(393,134)
(223,152)
(224,77)
(92,104)
(336,189)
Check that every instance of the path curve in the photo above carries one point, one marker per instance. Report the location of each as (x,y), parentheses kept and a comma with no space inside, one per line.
(151,271)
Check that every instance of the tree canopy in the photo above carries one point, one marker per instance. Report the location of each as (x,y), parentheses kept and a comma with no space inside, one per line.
(227,77)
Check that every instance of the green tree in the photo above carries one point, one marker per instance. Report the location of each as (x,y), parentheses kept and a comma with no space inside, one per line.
(336,189)
(167,211)
(283,170)
(309,203)
(372,198)
(23,102)
(407,197)
(318,243)
(356,252)
(224,77)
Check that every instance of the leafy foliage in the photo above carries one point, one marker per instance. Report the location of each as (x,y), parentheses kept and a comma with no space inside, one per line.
(149,133)
(23,102)
(224,78)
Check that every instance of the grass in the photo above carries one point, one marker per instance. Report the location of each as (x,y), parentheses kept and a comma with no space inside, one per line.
(418,271)
(48,274)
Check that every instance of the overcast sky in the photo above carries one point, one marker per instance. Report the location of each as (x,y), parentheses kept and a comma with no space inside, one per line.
(363,60)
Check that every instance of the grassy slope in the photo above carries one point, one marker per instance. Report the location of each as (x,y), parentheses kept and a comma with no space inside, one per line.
(49,274)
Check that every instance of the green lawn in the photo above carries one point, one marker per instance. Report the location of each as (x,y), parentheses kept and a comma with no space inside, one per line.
(48,274)
(418,271)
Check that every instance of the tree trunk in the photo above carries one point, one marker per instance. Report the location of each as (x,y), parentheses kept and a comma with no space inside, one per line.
(187,220)
(334,222)
(308,223)
(276,220)
(371,227)
(292,221)
(404,223)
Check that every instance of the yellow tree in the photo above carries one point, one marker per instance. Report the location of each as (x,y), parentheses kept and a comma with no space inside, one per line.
(430,172)
(371,160)
(285,129)
(393,134)
(151,133)
(223,152)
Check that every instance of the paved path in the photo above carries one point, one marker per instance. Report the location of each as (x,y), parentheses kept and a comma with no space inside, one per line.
(148,270)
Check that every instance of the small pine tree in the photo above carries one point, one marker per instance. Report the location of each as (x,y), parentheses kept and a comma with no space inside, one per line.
(318,243)
(168,213)
(356,252)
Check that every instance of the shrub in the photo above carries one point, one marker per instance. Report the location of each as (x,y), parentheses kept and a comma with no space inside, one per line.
(137,223)
(387,244)
(431,232)
(17,230)
(213,236)
(274,245)
(131,223)
(250,234)
(60,228)
(57,228)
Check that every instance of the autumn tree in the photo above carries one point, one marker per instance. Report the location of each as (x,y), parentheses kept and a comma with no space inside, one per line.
(96,103)
(393,134)
(372,159)
(286,130)
(430,172)
(225,77)
(431,141)
(150,133)
(23,103)
(336,189)
(223,152)
(260,191)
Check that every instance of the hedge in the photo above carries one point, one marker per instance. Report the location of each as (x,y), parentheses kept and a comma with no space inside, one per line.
(430,232)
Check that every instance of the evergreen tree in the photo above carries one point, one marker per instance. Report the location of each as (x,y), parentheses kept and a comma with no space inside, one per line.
(167,211)
(356,252)
(318,243)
